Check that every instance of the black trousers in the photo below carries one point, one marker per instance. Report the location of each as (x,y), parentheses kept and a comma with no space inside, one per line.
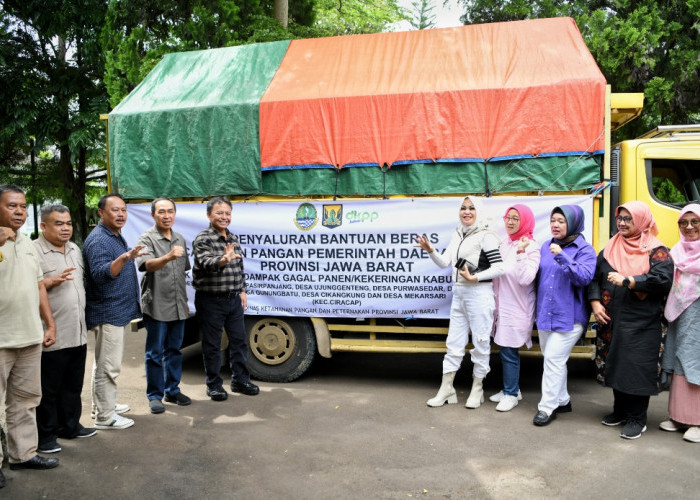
(631,407)
(214,314)
(62,373)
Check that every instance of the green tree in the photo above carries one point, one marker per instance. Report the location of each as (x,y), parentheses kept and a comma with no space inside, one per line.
(346,17)
(137,33)
(423,16)
(666,191)
(641,46)
(51,93)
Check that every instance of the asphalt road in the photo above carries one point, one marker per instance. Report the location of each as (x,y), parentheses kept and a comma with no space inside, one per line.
(357,426)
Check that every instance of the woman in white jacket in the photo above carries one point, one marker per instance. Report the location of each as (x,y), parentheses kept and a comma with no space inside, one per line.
(473,251)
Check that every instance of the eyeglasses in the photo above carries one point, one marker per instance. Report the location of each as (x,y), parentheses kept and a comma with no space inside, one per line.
(692,222)
(623,218)
(511,219)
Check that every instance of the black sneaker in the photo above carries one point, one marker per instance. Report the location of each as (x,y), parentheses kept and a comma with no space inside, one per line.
(50,447)
(217,393)
(612,419)
(180,399)
(632,430)
(86,432)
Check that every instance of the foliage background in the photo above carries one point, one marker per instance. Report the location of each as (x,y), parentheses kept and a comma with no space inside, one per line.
(648,46)
(63,63)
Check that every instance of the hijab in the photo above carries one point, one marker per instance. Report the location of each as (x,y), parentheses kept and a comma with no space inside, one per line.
(481,223)
(630,255)
(527,222)
(574,222)
(686,277)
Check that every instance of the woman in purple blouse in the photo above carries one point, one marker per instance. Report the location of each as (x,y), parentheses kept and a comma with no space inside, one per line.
(567,265)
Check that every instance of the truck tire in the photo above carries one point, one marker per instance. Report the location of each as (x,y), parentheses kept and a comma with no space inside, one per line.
(279,349)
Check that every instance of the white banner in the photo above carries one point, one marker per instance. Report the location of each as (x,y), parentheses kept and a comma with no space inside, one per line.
(352,259)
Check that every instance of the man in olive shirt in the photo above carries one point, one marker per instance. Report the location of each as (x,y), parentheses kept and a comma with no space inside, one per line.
(164,305)
(23,304)
(63,363)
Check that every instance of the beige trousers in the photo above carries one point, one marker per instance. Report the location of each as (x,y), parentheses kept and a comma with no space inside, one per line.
(109,351)
(20,387)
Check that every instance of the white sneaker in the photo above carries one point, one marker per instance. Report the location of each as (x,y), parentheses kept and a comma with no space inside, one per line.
(116,422)
(496,398)
(692,435)
(119,409)
(670,426)
(507,403)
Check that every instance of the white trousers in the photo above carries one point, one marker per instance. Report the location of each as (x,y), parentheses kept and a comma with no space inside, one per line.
(471,310)
(109,351)
(556,348)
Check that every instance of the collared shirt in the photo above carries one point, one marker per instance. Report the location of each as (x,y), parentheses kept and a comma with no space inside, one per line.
(164,292)
(561,286)
(68,298)
(515,294)
(112,300)
(20,272)
(209,247)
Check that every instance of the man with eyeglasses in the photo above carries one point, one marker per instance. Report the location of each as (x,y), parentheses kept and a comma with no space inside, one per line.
(164,304)
(220,301)
(63,363)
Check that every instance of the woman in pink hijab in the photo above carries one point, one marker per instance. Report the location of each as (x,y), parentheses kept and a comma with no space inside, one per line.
(681,359)
(515,300)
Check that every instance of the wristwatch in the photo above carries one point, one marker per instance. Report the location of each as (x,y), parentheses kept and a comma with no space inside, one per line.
(626,282)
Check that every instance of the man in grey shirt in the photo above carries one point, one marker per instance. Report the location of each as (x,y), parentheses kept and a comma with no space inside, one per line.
(164,305)
(63,363)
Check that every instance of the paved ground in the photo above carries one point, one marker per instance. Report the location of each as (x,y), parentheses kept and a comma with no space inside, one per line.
(357,427)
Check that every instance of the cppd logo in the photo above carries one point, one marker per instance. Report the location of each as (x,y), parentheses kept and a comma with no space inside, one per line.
(360,216)
(306,217)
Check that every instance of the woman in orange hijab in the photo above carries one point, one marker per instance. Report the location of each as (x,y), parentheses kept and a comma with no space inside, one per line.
(633,276)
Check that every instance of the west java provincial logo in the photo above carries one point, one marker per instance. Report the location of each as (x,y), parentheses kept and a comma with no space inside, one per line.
(332,216)
(306,217)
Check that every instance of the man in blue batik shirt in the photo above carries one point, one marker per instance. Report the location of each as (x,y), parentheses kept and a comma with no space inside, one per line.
(112,302)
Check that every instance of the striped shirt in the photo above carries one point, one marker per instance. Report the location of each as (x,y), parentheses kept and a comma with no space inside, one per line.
(209,247)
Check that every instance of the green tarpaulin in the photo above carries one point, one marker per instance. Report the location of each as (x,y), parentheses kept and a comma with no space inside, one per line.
(190,129)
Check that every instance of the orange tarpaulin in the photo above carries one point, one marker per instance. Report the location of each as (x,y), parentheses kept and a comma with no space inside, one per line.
(475,92)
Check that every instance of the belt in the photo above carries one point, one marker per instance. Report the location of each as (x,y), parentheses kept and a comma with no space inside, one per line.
(228,295)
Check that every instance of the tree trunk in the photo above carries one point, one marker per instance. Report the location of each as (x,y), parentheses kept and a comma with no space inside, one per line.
(81,211)
(282,11)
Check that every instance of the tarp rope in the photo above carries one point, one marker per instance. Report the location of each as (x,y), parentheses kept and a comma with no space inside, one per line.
(487,189)
(589,148)
(337,176)
(385,169)
(570,162)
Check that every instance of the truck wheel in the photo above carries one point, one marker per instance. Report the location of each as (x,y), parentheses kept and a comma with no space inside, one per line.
(280,350)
